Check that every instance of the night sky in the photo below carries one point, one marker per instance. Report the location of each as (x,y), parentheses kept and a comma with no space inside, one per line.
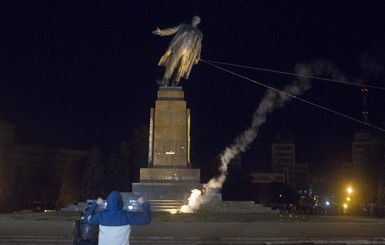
(76,73)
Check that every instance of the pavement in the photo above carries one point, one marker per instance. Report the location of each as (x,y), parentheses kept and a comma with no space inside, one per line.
(324,231)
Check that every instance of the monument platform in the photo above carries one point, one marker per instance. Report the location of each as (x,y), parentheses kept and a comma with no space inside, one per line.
(168,180)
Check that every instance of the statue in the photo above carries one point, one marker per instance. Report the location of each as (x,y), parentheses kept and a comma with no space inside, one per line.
(183,52)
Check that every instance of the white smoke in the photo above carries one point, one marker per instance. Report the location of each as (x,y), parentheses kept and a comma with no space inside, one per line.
(321,68)
(272,99)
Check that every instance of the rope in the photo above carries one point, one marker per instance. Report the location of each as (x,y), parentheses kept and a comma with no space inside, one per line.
(294,97)
(294,74)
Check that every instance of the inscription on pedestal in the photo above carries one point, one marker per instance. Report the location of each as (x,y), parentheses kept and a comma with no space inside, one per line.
(169,175)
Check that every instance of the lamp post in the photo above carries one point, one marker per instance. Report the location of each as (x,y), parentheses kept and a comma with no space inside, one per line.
(349,205)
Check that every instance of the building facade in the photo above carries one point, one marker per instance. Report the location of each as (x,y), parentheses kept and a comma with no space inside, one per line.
(35,172)
(283,158)
(362,140)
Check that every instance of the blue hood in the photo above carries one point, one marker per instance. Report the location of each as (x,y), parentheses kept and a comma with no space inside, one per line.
(114,215)
(114,201)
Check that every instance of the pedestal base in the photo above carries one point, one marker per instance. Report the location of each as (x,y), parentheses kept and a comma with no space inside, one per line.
(165,191)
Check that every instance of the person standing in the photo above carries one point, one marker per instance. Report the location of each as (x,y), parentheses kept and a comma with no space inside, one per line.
(115,222)
(183,52)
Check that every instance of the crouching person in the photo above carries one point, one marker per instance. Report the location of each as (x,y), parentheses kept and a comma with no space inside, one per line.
(85,233)
(114,222)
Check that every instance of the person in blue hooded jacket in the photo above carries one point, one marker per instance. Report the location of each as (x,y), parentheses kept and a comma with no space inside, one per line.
(114,222)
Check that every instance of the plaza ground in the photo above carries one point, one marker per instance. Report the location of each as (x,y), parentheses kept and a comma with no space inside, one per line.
(205,228)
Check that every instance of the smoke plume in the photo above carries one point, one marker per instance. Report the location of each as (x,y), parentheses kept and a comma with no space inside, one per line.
(272,99)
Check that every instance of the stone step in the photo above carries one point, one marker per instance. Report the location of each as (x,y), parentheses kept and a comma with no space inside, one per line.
(60,240)
(173,205)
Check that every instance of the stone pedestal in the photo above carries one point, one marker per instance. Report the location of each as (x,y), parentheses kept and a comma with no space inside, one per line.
(169,175)
(169,143)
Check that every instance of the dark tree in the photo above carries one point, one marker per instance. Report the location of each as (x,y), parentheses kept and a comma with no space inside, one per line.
(94,181)
(138,151)
(275,193)
(72,176)
(118,169)
(237,186)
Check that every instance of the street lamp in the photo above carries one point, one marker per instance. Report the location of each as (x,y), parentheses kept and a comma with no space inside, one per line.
(349,204)
(348,199)
(349,190)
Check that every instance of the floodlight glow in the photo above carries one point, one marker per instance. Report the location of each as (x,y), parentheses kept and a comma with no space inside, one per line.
(170,153)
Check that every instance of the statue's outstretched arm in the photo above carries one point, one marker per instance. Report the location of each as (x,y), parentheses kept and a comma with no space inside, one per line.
(166,32)
(157,31)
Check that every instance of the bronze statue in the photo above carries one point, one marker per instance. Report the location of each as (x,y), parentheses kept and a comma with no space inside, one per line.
(183,52)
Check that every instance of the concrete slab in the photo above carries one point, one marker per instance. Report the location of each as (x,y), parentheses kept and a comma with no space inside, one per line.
(354,231)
